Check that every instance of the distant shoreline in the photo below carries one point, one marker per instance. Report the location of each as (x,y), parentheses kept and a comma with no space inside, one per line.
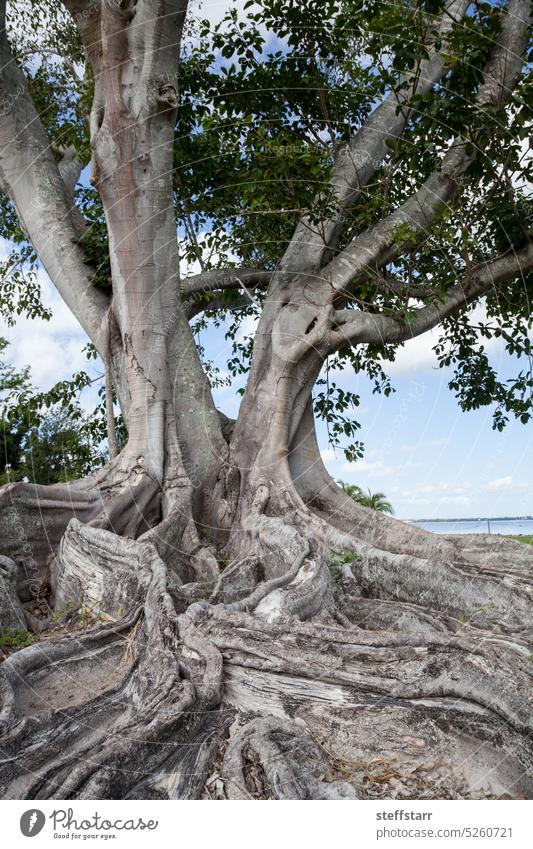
(477,519)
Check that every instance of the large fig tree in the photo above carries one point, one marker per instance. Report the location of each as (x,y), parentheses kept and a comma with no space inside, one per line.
(351,175)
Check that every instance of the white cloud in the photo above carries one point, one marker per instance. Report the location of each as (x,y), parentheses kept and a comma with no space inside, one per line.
(52,358)
(437,443)
(247,327)
(418,354)
(378,469)
(460,500)
(499,483)
(53,349)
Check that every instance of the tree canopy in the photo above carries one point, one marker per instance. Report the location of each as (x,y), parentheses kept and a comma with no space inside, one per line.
(273,104)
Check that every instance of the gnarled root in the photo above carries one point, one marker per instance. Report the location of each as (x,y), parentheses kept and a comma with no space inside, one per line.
(123,498)
(461,575)
(112,710)
(397,714)
(328,681)
(486,583)
(273,758)
(33,518)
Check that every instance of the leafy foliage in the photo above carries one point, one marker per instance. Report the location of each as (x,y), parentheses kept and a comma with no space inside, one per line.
(94,241)
(268,97)
(46,437)
(373,500)
(20,292)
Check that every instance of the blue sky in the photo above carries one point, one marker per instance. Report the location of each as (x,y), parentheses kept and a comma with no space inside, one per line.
(434,461)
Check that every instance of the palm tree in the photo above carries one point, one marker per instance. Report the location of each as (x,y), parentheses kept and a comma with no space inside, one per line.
(377,501)
(373,500)
(352,490)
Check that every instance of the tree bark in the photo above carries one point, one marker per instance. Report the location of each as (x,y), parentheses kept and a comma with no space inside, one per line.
(132,130)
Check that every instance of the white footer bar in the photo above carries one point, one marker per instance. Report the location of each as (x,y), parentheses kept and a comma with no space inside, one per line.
(268,825)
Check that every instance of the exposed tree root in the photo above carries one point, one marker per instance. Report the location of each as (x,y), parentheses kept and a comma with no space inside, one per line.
(98,715)
(273,758)
(287,674)
(485,570)
(12,613)
(33,518)
(122,497)
(387,706)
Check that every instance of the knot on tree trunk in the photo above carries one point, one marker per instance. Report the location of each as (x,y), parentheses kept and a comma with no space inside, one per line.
(167,97)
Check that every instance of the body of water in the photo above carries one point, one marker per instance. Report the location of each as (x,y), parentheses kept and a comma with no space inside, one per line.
(479,526)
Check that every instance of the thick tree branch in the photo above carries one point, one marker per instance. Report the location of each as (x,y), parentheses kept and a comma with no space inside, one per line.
(213,282)
(87,17)
(70,167)
(217,303)
(377,245)
(33,181)
(216,279)
(356,161)
(394,286)
(358,327)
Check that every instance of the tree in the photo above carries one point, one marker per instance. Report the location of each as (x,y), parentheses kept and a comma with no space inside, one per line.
(57,450)
(377,501)
(13,432)
(354,189)
(46,437)
(373,500)
(352,490)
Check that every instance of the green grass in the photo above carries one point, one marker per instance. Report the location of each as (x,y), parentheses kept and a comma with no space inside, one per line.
(523,538)
(15,638)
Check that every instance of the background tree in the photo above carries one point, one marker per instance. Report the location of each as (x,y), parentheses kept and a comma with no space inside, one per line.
(12,433)
(353,175)
(56,451)
(46,437)
(373,500)
(377,501)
